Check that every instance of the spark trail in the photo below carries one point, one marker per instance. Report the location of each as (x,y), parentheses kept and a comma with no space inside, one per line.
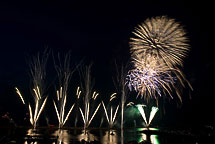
(111,116)
(151,116)
(37,68)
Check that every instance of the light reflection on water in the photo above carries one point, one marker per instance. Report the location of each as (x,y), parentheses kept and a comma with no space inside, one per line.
(86,136)
(62,136)
(65,136)
(138,135)
(110,137)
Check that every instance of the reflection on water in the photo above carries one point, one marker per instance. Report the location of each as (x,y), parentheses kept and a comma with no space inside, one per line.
(153,139)
(32,133)
(37,136)
(53,135)
(87,136)
(110,137)
(65,136)
(141,135)
(75,135)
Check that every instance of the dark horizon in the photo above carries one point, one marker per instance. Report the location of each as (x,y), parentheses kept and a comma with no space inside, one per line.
(99,33)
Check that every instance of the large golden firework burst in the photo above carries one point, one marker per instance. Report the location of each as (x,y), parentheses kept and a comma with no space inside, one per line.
(161,37)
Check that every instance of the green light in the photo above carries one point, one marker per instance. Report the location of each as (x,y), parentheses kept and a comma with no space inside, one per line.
(141,138)
(154,139)
(151,116)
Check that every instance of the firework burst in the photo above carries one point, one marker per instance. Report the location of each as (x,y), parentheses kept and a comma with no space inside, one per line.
(152,78)
(157,50)
(161,37)
(147,78)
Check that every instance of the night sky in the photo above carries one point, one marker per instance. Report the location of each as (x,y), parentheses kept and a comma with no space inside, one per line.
(99,33)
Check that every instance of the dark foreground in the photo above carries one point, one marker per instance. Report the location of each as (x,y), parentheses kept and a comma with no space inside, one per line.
(53,135)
